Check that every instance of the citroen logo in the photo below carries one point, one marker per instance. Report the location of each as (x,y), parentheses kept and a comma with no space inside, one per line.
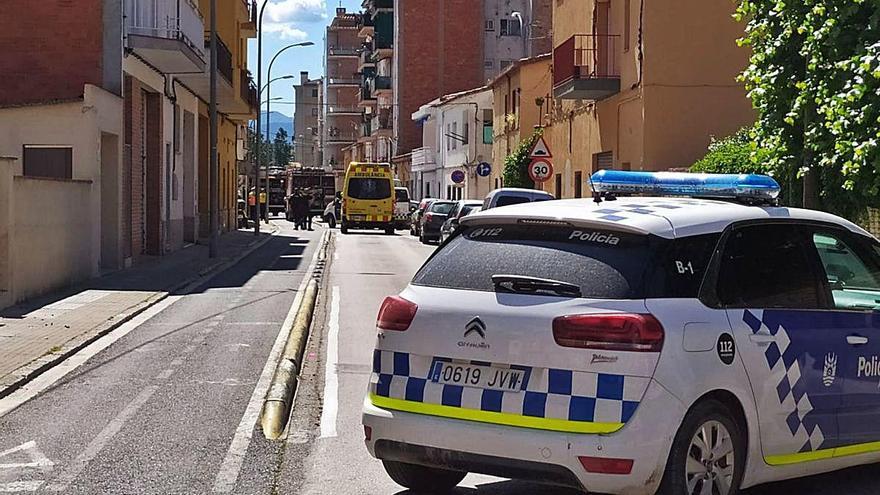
(475,325)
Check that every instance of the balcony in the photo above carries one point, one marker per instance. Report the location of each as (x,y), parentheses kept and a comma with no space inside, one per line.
(342,51)
(365,60)
(343,110)
(380,85)
(167,34)
(248,90)
(338,136)
(383,122)
(366,27)
(366,97)
(586,67)
(343,81)
(250,27)
(423,159)
(200,82)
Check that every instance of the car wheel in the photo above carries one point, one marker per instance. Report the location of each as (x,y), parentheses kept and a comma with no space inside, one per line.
(389,230)
(412,231)
(343,228)
(423,478)
(708,454)
(331,221)
(422,238)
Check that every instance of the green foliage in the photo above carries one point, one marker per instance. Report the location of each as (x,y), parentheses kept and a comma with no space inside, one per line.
(516,164)
(282,150)
(814,77)
(733,155)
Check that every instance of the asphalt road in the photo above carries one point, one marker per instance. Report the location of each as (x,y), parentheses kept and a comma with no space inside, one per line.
(325,453)
(167,408)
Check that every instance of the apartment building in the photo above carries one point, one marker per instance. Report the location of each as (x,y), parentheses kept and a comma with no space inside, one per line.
(642,85)
(512,30)
(341,115)
(106,118)
(307,113)
(456,138)
(376,95)
(522,102)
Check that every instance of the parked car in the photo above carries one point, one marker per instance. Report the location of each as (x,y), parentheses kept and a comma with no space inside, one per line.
(433,219)
(514,196)
(401,208)
(415,223)
(462,209)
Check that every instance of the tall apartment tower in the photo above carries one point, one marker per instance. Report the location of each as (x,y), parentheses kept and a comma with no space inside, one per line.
(306,140)
(341,115)
(513,30)
(376,96)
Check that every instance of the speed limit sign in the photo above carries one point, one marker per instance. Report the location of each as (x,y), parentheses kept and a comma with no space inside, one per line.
(540,170)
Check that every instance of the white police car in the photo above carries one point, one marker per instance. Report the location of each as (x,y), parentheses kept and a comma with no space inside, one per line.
(635,345)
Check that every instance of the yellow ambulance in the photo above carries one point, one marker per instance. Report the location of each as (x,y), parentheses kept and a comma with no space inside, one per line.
(368,197)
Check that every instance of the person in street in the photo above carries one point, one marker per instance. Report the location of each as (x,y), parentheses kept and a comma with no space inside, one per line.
(252,205)
(264,207)
(301,209)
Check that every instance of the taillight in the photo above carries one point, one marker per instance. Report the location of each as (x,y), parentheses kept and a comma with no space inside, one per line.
(428,217)
(606,465)
(396,313)
(611,332)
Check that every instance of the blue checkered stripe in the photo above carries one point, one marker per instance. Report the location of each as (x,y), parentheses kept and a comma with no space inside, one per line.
(550,393)
(785,371)
(621,212)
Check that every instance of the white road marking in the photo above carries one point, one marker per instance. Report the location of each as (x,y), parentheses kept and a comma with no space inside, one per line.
(331,378)
(227,476)
(38,459)
(20,486)
(70,473)
(50,377)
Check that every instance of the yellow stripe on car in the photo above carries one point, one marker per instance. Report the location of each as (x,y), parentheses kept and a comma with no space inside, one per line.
(819,455)
(497,418)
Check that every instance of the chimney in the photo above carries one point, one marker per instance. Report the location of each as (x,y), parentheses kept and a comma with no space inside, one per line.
(303,77)
(340,11)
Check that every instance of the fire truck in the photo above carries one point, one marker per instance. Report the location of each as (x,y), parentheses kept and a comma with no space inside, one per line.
(318,184)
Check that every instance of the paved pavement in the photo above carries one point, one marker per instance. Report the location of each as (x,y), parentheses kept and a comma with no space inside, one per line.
(364,269)
(38,333)
(170,407)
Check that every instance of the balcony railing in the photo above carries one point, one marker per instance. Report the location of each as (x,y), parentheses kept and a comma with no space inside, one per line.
(168,19)
(587,66)
(343,81)
(248,90)
(342,51)
(383,119)
(380,83)
(335,135)
(224,58)
(337,109)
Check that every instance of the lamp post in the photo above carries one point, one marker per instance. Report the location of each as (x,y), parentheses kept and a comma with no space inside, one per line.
(268,104)
(522,31)
(273,80)
(214,172)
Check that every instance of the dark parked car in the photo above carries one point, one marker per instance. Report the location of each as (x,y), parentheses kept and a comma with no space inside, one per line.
(462,209)
(415,225)
(433,219)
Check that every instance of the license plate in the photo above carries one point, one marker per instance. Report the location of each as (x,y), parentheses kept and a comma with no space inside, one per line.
(479,376)
(358,217)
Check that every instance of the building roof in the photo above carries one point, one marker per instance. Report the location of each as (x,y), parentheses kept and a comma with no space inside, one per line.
(667,217)
(516,65)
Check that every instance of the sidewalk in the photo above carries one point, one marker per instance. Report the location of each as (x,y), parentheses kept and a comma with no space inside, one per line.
(38,334)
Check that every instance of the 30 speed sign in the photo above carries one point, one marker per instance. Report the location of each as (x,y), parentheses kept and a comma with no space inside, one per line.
(540,170)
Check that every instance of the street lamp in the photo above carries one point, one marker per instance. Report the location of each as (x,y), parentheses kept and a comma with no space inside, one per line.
(266,102)
(522,32)
(273,80)
(269,106)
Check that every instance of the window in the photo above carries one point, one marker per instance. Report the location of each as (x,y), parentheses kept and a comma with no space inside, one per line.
(315,112)
(366,188)
(54,162)
(489,64)
(315,93)
(767,266)
(603,161)
(682,267)
(510,27)
(490,25)
(558,185)
(503,64)
(487,126)
(465,131)
(599,269)
(852,269)
(448,138)
(578,184)
(455,135)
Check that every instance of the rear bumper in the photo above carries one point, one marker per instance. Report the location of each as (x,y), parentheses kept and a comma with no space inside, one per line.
(531,454)
(431,231)
(367,225)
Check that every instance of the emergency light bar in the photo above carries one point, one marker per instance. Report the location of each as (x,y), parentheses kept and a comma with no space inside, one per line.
(751,188)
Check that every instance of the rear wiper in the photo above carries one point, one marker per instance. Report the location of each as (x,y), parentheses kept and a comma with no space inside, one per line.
(520,284)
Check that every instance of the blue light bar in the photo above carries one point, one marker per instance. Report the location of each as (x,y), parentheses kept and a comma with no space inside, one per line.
(747,187)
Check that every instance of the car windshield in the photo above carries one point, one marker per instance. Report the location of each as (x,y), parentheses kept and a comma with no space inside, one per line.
(401,196)
(369,188)
(511,200)
(441,208)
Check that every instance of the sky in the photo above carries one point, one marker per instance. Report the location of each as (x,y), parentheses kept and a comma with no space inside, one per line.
(293,21)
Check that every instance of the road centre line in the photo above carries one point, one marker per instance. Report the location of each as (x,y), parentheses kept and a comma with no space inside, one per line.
(20,486)
(331,377)
(227,476)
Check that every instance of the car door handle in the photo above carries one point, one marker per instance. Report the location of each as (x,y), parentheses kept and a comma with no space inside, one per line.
(763,339)
(856,340)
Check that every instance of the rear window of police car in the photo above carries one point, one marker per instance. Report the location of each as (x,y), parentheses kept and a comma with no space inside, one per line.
(604,264)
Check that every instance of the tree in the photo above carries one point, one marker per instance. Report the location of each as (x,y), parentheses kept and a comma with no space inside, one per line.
(516,164)
(282,149)
(267,152)
(814,77)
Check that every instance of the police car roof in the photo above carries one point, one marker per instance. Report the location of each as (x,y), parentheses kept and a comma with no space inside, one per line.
(667,217)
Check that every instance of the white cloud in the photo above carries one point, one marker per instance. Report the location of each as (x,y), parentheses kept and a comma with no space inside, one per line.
(285,31)
(289,11)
